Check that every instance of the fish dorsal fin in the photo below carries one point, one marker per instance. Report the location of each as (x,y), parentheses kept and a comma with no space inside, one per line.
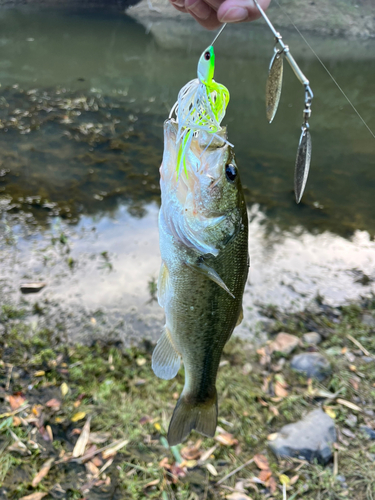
(210,273)
(166,359)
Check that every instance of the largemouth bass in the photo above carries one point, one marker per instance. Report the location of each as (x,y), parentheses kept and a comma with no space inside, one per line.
(203,229)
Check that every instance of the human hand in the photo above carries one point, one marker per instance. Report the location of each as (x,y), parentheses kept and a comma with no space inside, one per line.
(212,13)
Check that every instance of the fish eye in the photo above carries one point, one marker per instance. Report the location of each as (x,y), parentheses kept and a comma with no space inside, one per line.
(207,56)
(231,172)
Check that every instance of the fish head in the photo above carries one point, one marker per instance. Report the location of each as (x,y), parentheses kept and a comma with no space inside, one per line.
(204,205)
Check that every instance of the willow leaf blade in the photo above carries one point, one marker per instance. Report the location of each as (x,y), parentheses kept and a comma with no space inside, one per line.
(302,166)
(274,86)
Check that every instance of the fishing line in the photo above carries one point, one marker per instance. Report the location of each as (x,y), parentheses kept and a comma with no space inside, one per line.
(326,69)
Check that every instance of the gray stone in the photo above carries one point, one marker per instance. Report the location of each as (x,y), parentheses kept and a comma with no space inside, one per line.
(308,439)
(368,319)
(367,430)
(312,365)
(312,338)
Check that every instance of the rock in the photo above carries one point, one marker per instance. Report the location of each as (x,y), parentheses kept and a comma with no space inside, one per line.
(367,430)
(308,439)
(312,338)
(368,319)
(32,287)
(312,365)
(284,342)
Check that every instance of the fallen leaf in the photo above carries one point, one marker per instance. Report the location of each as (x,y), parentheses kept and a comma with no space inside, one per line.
(152,483)
(330,412)
(192,452)
(348,404)
(280,391)
(64,389)
(157,426)
(261,462)
(226,439)
(112,451)
(92,468)
(16,421)
(34,496)
(49,432)
(16,401)
(237,495)
(273,436)
(271,484)
(294,479)
(78,416)
(80,446)
(43,472)
(206,455)
(140,361)
(264,475)
(39,373)
(284,479)
(99,437)
(54,403)
(354,384)
(211,469)
(164,463)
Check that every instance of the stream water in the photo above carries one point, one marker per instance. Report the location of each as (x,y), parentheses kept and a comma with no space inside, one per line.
(82,102)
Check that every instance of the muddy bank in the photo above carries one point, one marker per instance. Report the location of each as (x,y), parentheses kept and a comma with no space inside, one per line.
(90,421)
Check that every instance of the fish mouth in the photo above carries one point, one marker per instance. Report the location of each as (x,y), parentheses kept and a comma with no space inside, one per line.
(204,162)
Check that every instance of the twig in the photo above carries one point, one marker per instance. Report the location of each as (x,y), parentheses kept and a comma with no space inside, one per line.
(359,345)
(14,412)
(93,453)
(9,376)
(235,471)
(335,463)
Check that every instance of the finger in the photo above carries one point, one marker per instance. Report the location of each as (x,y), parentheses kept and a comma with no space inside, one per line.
(203,13)
(178,4)
(232,11)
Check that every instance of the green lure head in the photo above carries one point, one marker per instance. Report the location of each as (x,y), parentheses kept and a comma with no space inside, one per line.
(206,65)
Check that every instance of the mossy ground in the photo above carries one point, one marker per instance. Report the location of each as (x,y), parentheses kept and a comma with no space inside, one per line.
(117,389)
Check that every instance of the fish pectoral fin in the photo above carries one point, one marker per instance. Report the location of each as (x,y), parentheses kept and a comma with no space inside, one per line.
(210,273)
(189,415)
(240,317)
(166,359)
(163,283)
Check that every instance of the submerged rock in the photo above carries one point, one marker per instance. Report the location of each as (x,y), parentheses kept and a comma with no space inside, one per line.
(312,338)
(312,365)
(308,439)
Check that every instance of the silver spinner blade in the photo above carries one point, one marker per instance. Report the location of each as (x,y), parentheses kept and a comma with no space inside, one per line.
(302,167)
(274,85)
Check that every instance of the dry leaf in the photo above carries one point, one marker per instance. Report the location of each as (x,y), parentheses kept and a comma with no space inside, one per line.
(16,421)
(92,468)
(152,483)
(261,462)
(264,475)
(39,373)
(330,412)
(164,463)
(284,342)
(99,437)
(80,446)
(226,439)
(112,451)
(54,403)
(271,484)
(140,361)
(237,495)
(43,472)
(49,432)
(280,391)
(16,401)
(78,416)
(64,389)
(348,404)
(206,455)
(211,469)
(192,452)
(34,496)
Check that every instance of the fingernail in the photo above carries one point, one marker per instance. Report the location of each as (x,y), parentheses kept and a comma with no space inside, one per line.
(200,9)
(234,15)
(178,3)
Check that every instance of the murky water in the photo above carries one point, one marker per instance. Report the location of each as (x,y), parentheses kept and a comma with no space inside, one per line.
(82,104)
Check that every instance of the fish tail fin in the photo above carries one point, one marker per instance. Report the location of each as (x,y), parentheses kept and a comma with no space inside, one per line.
(189,415)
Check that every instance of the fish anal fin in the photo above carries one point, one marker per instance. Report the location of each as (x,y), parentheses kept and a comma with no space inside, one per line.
(240,317)
(210,273)
(189,415)
(165,359)
(163,283)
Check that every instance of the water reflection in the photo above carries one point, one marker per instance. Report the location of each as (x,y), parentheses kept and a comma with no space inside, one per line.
(82,105)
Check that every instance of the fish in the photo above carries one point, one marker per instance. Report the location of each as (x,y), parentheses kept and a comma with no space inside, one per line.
(203,236)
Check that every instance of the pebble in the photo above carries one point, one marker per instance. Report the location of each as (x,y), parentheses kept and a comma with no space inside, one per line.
(312,365)
(308,439)
(368,319)
(312,338)
(284,342)
(367,430)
